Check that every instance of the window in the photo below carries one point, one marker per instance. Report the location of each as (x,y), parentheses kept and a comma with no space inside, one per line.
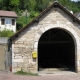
(13,21)
(2,21)
(8,21)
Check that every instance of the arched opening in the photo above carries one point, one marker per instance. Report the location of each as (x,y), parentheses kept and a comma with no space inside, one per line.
(56,50)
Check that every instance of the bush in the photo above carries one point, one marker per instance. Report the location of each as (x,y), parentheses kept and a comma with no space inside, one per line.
(33,14)
(6,33)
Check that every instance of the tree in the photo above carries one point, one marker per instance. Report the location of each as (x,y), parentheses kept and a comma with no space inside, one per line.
(25,4)
(14,5)
(41,5)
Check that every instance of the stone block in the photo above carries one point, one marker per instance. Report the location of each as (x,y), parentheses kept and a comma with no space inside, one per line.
(78,42)
(20,42)
(36,45)
(78,63)
(47,28)
(42,30)
(19,45)
(37,37)
(16,69)
(78,51)
(27,56)
(18,54)
(12,55)
(26,64)
(78,57)
(33,71)
(78,68)
(35,49)
(16,50)
(17,57)
(17,60)
(30,68)
(22,39)
(20,64)
(14,64)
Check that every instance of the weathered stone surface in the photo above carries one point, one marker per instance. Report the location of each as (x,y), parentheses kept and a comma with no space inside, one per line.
(27,56)
(20,64)
(17,57)
(35,45)
(78,68)
(19,45)
(16,50)
(17,60)
(14,64)
(16,69)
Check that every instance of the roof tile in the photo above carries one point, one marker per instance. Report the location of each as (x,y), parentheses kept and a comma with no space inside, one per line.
(8,13)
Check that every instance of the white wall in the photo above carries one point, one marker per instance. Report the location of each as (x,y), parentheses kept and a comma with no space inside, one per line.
(8,24)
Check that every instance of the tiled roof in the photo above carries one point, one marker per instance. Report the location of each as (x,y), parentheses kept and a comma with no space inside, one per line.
(8,14)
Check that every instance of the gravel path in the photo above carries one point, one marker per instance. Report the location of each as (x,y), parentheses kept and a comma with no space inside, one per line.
(10,76)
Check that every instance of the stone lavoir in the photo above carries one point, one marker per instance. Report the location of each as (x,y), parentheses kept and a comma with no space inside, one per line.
(50,41)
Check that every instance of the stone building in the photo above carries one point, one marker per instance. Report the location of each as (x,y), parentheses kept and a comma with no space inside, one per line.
(51,40)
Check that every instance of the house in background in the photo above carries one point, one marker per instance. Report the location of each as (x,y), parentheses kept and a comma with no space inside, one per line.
(8,20)
(77,15)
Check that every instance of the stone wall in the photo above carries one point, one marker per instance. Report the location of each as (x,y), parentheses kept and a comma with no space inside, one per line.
(4,54)
(27,41)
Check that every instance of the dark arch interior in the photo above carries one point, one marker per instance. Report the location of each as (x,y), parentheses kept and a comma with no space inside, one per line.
(56,50)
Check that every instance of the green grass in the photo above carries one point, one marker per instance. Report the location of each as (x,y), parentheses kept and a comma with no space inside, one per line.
(25,73)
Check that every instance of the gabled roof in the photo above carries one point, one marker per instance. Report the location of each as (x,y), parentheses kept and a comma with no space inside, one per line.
(8,14)
(55,4)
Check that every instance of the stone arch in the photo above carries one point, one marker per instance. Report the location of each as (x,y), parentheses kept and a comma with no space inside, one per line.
(69,30)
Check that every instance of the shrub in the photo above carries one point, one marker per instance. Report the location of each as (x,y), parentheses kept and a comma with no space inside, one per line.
(33,14)
(25,73)
(6,33)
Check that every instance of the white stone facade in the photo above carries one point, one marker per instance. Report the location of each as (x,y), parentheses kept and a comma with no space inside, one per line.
(8,24)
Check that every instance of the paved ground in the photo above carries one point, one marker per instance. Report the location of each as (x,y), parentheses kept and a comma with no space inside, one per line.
(10,76)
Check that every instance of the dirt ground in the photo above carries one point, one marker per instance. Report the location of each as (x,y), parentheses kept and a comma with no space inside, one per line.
(11,76)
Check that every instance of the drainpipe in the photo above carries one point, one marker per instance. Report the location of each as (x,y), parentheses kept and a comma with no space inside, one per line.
(10,50)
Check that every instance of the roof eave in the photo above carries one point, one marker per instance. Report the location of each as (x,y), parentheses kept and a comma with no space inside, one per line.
(10,16)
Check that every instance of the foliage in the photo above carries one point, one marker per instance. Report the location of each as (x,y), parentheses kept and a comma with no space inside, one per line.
(34,7)
(33,14)
(41,5)
(70,5)
(23,20)
(25,73)
(19,25)
(6,33)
